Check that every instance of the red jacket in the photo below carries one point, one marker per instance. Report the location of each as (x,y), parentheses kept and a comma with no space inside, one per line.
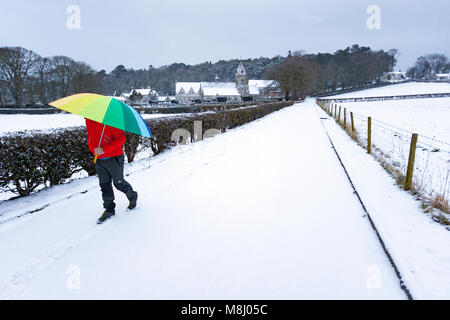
(112,141)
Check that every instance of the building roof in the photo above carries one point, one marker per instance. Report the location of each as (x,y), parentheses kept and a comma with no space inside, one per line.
(219,89)
(253,90)
(144,92)
(187,86)
(261,84)
(395,72)
(166,98)
(118,98)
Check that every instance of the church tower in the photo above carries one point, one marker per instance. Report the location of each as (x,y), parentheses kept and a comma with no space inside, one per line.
(242,81)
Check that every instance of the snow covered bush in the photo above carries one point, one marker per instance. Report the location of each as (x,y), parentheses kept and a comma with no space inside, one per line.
(30,159)
(18,169)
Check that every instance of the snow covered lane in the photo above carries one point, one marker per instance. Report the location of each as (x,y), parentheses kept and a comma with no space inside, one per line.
(263,211)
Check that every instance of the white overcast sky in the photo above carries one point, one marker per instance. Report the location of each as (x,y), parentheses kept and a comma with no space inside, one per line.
(159,32)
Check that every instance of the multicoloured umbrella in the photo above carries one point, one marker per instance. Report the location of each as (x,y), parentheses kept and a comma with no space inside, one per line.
(106,110)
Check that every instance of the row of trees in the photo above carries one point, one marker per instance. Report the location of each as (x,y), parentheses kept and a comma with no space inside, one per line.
(300,74)
(26,77)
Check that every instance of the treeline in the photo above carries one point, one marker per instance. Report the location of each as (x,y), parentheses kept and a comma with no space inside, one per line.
(354,66)
(297,72)
(27,78)
(426,67)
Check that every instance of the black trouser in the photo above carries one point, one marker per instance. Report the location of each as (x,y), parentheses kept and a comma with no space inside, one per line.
(111,170)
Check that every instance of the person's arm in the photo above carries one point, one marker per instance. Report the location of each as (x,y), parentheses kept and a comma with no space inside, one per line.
(90,146)
(117,141)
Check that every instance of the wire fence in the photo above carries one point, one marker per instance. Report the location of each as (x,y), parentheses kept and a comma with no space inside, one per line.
(391,145)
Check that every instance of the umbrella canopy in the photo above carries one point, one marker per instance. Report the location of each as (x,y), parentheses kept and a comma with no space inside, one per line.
(106,110)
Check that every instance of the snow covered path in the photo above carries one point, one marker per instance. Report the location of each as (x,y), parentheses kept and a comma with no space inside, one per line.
(264,211)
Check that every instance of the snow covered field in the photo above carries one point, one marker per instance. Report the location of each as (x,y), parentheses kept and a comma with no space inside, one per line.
(429,117)
(393,122)
(264,211)
(399,89)
(19,122)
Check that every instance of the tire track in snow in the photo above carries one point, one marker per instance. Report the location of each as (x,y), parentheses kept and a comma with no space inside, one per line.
(372,224)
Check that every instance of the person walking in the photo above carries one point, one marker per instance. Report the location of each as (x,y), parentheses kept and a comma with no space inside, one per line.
(107,143)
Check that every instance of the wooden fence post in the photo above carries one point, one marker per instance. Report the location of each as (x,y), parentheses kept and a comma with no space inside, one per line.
(339,116)
(369,135)
(412,155)
(345,117)
(353,123)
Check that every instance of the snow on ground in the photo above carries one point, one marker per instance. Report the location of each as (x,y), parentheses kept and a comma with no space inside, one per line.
(419,246)
(399,89)
(19,122)
(263,211)
(427,117)
(430,117)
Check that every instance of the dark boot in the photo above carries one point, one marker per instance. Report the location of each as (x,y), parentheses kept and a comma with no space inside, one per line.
(105,216)
(133,202)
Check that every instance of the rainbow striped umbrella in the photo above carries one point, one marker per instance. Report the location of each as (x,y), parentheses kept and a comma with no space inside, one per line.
(106,110)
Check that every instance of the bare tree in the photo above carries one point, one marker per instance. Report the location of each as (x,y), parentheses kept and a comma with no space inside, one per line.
(84,78)
(394,54)
(62,68)
(296,76)
(43,69)
(16,66)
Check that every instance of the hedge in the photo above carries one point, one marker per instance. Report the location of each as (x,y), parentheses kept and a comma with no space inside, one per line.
(194,108)
(31,159)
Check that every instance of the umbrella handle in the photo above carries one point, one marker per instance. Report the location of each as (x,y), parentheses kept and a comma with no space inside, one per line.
(101,137)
